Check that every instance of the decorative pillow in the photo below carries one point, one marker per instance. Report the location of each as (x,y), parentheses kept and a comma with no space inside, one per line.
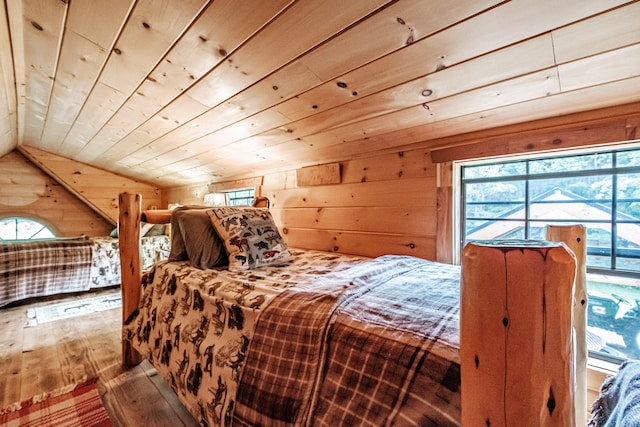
(194,238)
(146,230)
(250,236)
(155,230)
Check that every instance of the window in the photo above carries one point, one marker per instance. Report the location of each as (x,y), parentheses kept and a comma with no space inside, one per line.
(23,229)
(242,197)
(517,198)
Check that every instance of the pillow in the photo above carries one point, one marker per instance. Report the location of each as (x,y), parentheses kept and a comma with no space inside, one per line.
(146,230)
(155,230)
(250,236)
(193,238)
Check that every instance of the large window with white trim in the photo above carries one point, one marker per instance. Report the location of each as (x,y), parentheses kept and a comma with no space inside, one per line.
(519,196)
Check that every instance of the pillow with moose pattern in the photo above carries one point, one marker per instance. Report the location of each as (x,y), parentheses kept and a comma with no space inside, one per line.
(250,236)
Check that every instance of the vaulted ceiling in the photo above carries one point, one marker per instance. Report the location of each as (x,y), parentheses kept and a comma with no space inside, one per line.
(195,91)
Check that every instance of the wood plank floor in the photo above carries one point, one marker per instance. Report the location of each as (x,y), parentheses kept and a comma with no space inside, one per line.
(48,356)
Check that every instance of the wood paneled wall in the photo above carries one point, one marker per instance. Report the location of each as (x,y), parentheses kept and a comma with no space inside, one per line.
(384,204)
(97,188)
(26,191)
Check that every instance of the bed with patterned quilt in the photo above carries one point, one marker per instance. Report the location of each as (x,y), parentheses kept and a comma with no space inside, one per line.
(270,335)
(35,268)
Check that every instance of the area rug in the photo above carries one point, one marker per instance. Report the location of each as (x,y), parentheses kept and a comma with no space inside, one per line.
(73,308)
(78,405)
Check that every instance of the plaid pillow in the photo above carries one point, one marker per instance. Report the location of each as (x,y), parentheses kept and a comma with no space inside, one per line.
(250,236)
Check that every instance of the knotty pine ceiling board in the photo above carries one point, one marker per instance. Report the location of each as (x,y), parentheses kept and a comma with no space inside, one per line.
(181,93)
(243,65)
(270,137)
(221,29)
(333,48)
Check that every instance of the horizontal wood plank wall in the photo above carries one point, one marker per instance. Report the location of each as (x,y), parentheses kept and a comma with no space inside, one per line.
(26,191)
(96,187)
(384,204)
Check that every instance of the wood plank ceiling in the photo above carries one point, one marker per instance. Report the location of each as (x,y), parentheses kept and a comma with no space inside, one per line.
(176,92)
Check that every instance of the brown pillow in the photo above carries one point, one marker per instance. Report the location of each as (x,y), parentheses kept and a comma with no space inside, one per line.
(193,238)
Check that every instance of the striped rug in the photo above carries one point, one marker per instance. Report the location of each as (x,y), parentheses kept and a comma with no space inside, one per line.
(78,405)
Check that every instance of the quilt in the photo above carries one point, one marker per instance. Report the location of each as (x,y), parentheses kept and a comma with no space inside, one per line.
(46,267)
(105,263)
(208,331)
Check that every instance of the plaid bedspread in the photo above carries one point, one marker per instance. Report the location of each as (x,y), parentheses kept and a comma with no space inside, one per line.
(45,267)
(374,345)
(194,326)
(328,339)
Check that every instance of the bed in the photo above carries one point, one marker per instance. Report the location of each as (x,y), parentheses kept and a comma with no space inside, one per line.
(209,332)
(312,338)
(35,268)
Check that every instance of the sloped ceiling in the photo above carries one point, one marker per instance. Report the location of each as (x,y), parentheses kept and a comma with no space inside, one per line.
(194,91)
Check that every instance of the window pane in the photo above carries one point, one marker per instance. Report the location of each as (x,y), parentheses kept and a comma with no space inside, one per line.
(571,164)
(628,158)
(495,170)
(499,199)
(8,229)
(628,247)
(628,193)
(587,188)
(497,230)
(609,331)
(23,229)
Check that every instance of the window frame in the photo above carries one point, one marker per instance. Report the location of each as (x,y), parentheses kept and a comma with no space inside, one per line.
(614,171)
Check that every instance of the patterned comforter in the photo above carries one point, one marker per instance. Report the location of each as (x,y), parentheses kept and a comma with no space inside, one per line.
(38,268)
(105,263)
(329,340)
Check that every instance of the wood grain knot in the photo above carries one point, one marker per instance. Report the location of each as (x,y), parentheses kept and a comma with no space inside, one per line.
(342,85)
(551,403)
(37,26)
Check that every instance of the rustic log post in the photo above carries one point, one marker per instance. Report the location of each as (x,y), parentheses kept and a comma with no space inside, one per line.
(575,237)
(130,212)
(516,345)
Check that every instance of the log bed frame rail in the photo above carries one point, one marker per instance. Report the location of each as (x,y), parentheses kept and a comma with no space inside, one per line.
(129,217)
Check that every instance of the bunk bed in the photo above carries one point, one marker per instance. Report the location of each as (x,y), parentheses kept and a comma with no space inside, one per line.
(311,338)
(42,267)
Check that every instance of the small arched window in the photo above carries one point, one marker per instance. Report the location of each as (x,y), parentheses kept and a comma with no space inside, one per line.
(16,228)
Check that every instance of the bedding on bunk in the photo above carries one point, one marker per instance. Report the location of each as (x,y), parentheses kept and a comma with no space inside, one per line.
(329,337)
(105,262)
(43,267)
(35,268)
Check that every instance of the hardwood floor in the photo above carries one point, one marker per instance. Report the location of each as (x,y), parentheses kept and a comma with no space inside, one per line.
(48,356)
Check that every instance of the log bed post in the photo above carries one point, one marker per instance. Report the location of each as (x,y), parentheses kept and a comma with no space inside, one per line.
(130,213)
(575,237)
(516,344)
